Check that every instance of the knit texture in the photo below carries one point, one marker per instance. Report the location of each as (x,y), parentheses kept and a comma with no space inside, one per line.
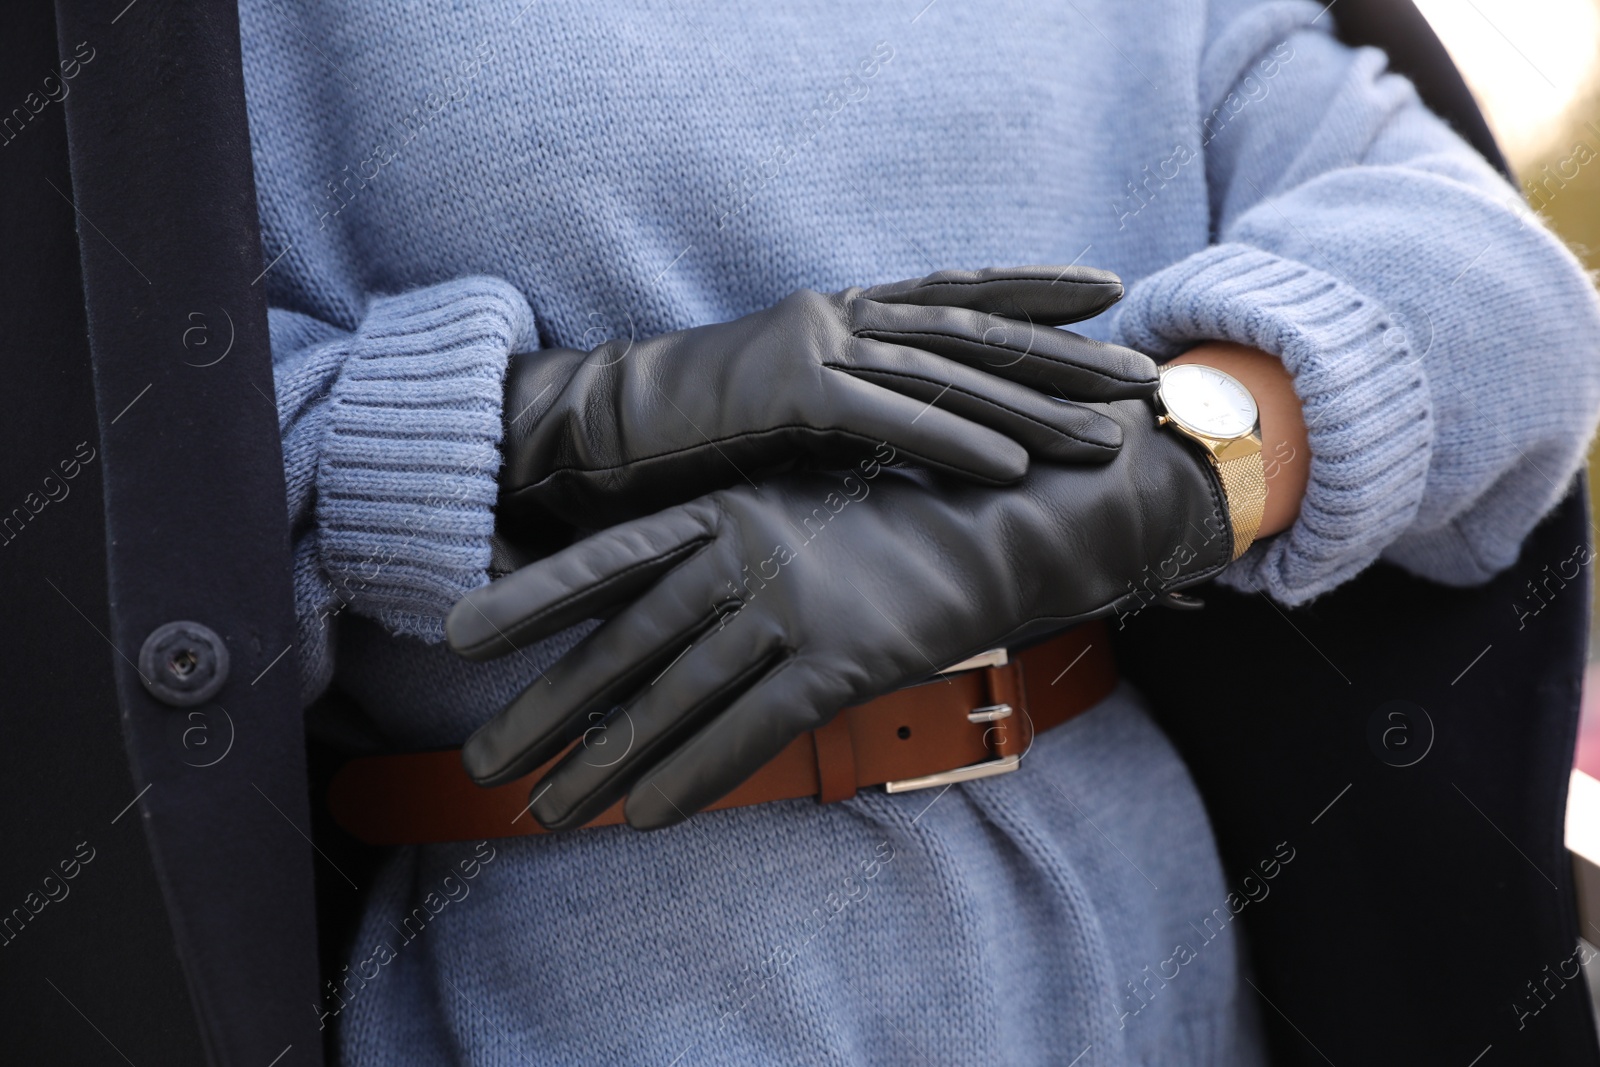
(391,440)
(1362,390)
(435,180)
(1445,347)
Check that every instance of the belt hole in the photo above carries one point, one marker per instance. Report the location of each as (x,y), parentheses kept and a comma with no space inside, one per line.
(904,732)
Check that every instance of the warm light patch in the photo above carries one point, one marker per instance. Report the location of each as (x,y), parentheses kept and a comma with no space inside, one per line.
(1527,61)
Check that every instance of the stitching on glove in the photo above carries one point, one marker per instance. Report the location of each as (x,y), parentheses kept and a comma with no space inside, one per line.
(1219,507)
(523,762)
(670,559)
(870,372)
(891,335)
(695,720)
(1213,486)
(852,434)
(1058,280)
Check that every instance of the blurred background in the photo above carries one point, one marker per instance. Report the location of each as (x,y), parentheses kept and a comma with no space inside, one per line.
(1534,66)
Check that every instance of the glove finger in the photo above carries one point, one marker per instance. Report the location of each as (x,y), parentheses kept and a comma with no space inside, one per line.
(1034,354)
(921,433)
(667,711)
(754,728)
(583,581)
(1048,428)
(581,691)
(1053,296)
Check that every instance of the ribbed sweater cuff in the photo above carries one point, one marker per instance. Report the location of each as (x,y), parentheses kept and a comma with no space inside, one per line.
(1360,381)
(407,474)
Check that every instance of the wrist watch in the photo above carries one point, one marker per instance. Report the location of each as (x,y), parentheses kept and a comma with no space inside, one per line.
(1216,411)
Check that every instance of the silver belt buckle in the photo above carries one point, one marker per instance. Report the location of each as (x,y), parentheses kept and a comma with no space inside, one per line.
(987,769)
(995,657)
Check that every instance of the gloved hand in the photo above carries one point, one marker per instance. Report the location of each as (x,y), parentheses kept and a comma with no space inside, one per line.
(751,615)
(958,372)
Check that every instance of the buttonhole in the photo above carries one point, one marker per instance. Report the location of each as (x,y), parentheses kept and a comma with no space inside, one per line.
(183,663)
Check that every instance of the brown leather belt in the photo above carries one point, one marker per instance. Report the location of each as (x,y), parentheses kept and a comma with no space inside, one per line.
(974,721)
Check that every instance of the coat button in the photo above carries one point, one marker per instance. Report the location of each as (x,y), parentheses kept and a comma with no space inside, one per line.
(183,663)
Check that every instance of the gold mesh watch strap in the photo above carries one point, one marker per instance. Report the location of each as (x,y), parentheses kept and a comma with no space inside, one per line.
(1244,483)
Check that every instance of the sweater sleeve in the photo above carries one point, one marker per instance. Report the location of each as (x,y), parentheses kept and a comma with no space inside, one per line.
(391,436)
(1445,346)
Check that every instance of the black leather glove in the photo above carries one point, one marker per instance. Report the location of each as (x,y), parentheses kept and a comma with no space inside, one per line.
(958,372)
(752,615)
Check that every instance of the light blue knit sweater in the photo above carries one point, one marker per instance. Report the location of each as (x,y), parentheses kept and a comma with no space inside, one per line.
(440,186)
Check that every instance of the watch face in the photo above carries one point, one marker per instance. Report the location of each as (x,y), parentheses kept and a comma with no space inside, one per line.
(1208,401)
